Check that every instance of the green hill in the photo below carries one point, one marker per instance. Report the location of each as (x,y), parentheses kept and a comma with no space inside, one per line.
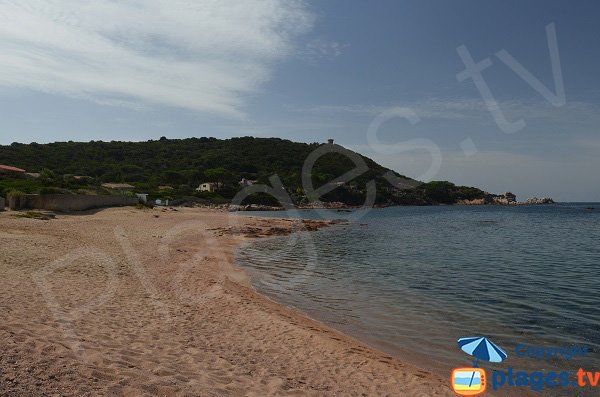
(185,163)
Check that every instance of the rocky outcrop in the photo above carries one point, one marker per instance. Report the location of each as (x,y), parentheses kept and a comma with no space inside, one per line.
(537,200)
(324,204)
(254,207)
(479,201)
(505,199)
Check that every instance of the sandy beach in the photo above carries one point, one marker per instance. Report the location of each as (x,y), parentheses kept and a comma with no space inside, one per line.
(130,302)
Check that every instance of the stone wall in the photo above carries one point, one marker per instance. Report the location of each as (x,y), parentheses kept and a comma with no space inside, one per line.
(66,202)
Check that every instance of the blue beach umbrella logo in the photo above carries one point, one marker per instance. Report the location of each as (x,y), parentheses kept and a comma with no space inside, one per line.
(483,349)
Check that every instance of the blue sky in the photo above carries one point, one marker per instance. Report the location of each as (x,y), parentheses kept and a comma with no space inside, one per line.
(312,70)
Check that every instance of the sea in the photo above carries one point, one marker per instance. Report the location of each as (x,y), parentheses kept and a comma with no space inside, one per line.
(410,281)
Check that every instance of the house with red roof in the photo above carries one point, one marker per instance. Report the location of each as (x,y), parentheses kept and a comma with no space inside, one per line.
(8,170)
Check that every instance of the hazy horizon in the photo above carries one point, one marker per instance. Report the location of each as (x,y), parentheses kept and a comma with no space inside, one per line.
(499,95)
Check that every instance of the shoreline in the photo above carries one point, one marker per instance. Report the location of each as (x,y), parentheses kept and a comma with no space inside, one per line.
(406,358)
(181,319)
(403,355)
(350,208)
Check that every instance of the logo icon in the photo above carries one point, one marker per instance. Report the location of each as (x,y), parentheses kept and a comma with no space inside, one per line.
(472,381)
(468,381)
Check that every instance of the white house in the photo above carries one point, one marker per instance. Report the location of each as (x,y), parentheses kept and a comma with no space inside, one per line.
(208,187)
(143,197)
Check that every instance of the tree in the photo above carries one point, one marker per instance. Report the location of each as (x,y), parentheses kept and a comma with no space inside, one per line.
(47,174)
(220,175)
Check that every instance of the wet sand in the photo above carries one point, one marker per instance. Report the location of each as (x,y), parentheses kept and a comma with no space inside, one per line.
(128,302)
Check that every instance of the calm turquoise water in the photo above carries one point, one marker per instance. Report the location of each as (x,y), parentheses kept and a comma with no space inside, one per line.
(411,280)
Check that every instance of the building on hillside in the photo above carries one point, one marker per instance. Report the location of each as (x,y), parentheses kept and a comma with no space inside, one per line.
(118,186)
(32,175)
(209,187)
(330,141)
(7,170)
(247,182)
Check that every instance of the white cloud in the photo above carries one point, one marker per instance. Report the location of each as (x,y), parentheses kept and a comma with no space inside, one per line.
(320,48)
(473,110)
(203,56)
(423,110)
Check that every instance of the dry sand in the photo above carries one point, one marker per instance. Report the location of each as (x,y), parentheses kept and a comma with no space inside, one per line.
(126,302)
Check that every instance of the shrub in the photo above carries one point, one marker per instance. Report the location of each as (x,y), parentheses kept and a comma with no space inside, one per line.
(36,215)
(47,173)
(50,190)
(211,197)
(21,185)
(16,200)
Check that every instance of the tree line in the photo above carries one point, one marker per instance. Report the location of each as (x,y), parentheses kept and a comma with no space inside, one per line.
(183,164)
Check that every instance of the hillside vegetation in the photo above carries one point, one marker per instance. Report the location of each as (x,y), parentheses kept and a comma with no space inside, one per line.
(182,164)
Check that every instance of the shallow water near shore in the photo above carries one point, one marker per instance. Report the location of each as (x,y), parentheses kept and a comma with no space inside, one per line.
(412,280)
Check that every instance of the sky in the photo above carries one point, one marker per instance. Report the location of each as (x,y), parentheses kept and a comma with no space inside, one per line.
(502,95)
